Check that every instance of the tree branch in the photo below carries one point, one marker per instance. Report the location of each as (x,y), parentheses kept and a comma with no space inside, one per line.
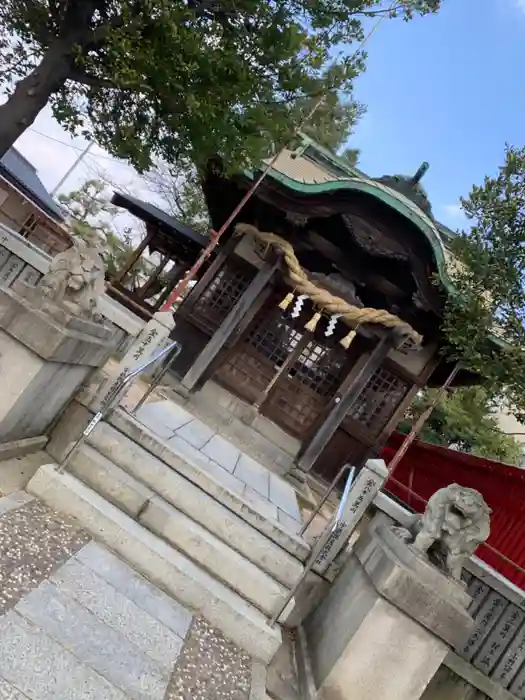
(98,36)
(300,96)
(378,13)
(79,76)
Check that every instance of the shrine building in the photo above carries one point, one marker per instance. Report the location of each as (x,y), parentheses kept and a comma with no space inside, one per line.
(273,331)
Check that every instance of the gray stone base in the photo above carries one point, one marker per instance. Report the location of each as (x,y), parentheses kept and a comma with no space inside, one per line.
(410,583)
(20,448)
(57,336)
(386,624)
(44,361)
(64,317)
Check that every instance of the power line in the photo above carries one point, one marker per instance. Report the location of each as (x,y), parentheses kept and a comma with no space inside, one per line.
(76,148)
(77,162)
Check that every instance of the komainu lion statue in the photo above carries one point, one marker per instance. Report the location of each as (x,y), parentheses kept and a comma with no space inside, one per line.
(456,520)
(75,279)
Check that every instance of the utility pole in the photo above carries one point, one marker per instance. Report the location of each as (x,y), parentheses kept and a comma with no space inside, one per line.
(68,173)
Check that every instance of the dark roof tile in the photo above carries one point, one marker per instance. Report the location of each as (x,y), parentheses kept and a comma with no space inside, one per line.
(20,173)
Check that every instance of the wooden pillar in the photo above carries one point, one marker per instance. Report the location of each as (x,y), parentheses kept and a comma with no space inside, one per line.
(344,400)
(141,293)
(243,308)
(236,337)
(419,383)
(174,275)
(135,255)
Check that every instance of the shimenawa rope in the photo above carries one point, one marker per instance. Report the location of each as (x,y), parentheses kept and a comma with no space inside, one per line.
(352,315)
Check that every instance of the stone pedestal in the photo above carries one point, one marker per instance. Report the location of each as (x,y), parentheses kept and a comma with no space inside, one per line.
(386,625)
(46,353)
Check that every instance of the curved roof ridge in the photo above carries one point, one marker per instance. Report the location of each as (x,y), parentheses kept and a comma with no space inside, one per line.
(396,200)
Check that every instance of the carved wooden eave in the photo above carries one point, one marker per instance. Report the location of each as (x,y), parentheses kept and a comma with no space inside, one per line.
(365,232)
(380,241)
(338,286)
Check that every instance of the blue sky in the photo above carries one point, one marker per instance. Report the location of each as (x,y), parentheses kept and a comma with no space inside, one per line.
(449,89)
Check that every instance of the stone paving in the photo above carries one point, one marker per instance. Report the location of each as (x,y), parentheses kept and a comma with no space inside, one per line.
(224,670)
(266,492)
(78,623)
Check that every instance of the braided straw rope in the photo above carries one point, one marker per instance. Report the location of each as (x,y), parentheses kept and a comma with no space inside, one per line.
(352,315)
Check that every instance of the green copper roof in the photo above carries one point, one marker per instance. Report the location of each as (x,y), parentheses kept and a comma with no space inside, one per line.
(357,181)
(406,186)
(397,201)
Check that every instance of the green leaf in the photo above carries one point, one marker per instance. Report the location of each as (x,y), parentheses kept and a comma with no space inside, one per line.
(150,79)
(490,283)
(467,420)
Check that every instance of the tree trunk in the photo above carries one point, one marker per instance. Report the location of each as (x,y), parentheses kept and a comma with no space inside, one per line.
(33,92)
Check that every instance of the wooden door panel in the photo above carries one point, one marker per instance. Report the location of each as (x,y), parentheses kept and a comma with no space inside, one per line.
(220,296)
(294,407)
(246,373)
(341,449)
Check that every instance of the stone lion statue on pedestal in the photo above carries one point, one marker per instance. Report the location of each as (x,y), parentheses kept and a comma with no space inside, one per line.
(75,279)
(456,520)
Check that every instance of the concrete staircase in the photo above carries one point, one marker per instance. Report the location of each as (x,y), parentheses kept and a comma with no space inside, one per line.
(164,514)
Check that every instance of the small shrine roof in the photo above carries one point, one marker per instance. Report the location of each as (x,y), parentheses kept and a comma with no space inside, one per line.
(168,226)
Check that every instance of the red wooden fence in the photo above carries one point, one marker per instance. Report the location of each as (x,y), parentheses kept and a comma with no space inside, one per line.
(426,468)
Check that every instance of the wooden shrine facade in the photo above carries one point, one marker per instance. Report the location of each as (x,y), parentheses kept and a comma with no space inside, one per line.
(339,403)
(176,245)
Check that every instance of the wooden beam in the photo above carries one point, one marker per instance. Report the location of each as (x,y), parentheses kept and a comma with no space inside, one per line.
(353,268)
(418,383)
(127,299)
(397,416)
(243,307)
(142,291)
(344,400)
(175,274)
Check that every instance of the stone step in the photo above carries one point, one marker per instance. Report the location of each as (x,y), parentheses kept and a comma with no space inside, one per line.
(171,570)
(189,537)
(199,504)
(187,464)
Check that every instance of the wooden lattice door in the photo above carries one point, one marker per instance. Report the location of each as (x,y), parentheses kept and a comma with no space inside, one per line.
(376,404)
(301,394)
(221,294)
(364,426)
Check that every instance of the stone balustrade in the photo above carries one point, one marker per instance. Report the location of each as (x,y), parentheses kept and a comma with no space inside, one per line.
(22,260)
